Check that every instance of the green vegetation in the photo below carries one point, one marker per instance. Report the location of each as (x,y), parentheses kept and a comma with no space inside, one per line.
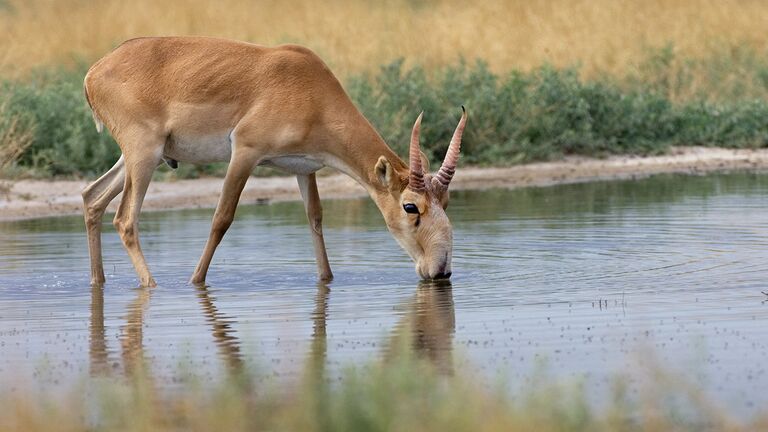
(401,394)
(549,112)
(51,106)
(515,117)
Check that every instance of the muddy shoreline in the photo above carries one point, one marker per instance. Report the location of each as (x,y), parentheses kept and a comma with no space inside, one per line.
(28,199)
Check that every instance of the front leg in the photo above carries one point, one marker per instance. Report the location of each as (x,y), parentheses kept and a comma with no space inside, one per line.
(240,167)
(308,188)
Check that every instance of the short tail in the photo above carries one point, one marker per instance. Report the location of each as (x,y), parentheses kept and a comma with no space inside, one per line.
(96,119)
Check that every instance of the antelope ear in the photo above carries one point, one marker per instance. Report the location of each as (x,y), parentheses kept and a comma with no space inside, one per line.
(383,171)
(386,174)
(424,161)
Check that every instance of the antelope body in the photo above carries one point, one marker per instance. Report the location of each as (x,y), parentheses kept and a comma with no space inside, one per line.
(200,100)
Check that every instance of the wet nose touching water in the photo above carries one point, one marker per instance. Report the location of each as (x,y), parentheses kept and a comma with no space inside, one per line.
(588,280)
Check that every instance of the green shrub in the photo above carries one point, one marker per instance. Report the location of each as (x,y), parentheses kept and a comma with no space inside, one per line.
(548,113)
(515,117)
(65,141)
(742,125)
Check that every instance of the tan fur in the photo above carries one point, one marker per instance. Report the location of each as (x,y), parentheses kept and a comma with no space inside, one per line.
(195,99)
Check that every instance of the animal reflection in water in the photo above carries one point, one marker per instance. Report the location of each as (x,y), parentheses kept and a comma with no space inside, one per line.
(427,328)
(97,348)
(131,334)
(223,334)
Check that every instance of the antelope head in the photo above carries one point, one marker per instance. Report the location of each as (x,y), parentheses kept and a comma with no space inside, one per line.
(416,203)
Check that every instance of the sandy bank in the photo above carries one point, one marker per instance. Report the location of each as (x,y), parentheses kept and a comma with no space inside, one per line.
(25,199)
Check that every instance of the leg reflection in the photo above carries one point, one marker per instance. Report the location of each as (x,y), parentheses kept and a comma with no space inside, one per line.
(97,348)
(318,348)
(221,327)
(132,335)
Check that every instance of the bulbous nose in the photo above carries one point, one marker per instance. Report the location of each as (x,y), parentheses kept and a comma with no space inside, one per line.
(441,271)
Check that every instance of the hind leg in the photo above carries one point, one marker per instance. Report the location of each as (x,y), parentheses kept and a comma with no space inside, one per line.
(96,198)
(140,162)
(308,188)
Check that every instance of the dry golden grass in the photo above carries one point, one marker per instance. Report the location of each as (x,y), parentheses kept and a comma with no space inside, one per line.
(353,36)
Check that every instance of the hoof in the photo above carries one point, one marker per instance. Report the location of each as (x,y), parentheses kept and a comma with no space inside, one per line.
(197,280)
(149,284)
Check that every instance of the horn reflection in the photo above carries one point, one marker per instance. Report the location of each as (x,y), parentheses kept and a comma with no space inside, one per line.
(429,324)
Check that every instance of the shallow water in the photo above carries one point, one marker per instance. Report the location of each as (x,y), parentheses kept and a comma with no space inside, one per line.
(595,280)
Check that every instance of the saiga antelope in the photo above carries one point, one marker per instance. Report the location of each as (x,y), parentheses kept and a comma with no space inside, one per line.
(201,100)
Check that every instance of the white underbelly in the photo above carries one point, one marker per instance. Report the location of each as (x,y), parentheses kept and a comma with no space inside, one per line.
(218,148)
(199,149)
(295,164)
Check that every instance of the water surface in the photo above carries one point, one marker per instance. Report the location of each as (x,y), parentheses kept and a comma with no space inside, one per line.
(592,279)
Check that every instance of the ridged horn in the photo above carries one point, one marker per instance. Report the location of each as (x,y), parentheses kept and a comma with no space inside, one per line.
(416,177)
(443,177)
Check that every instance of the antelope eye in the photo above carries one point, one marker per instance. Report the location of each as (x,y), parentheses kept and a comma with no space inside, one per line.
(411,208)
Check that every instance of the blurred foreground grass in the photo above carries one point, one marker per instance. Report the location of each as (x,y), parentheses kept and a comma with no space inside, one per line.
(401,394)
